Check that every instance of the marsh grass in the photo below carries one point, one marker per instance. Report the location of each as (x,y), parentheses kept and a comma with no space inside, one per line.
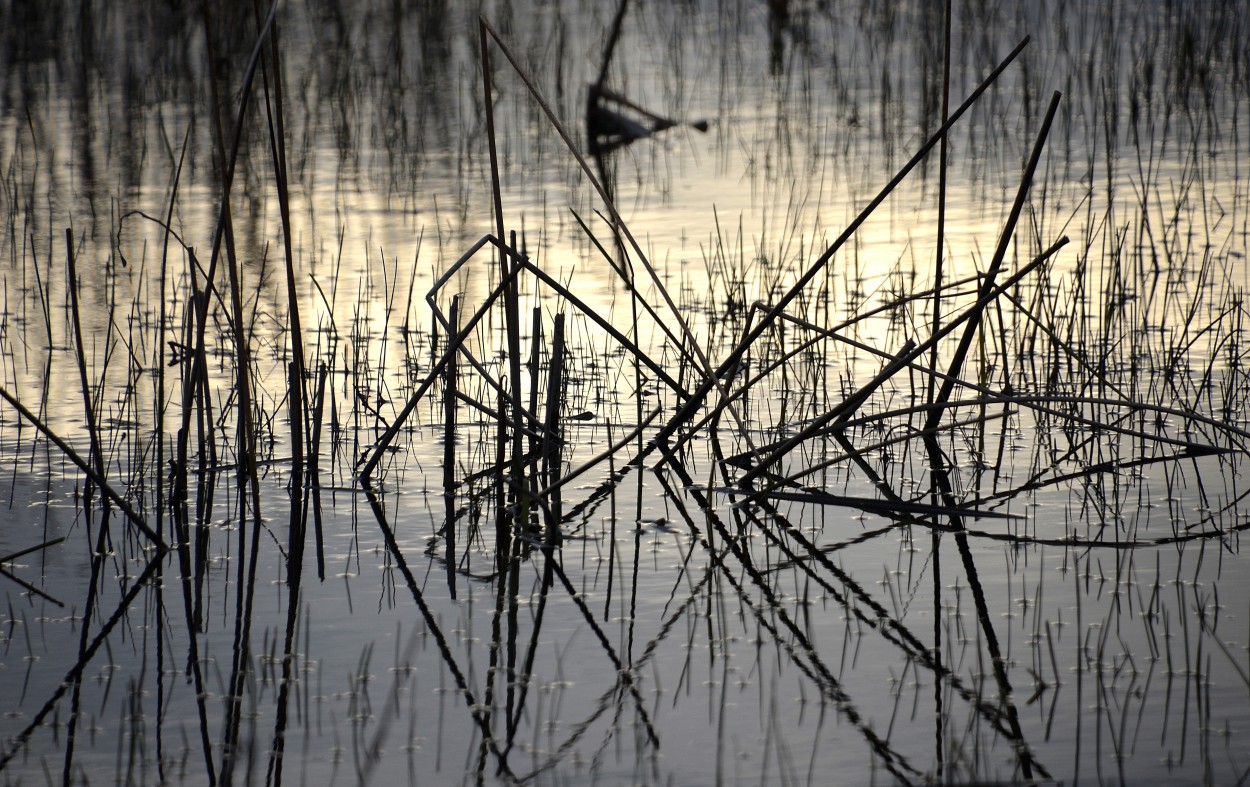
(733,420)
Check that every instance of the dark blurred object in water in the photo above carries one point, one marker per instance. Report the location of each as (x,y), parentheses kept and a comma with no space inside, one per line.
(608,128)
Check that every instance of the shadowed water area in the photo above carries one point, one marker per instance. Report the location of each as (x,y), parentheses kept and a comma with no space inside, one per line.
(692,411)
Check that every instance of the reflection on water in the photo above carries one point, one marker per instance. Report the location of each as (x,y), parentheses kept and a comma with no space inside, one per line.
(318,528)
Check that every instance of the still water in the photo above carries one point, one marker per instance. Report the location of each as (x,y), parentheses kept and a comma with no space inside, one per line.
(817,585)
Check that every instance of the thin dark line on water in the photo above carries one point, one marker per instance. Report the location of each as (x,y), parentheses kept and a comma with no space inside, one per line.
(804,656)
(878,617)
(450,391)
(479,716)
(996,263)
(384,442)
(74,676)
(101,483)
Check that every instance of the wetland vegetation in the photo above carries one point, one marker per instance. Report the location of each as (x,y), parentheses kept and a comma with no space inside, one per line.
(370,416)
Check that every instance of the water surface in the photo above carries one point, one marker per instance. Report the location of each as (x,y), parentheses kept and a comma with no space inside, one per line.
(1050,588)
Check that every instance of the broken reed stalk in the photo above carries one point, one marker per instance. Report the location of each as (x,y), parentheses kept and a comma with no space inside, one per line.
(1058,344)
(685,413)
(1031,401)
(897,509)
(941,208)
(28,586)
(552,437)
(871,207)
(431,298)
(503,531)
(485,409)
(96,454)
(520,263)
(1040,481)
(628,438)
(628,280)
(537,437)
(314,467)
(711,378)
(275,115)
(198,369)
(618,222)
(449,448)
(840,412)
(821,333)
(853,452)
(512,317)
(627,343)
(9,558)
(1000,255)
(384,442)
(100,481)
(916,353)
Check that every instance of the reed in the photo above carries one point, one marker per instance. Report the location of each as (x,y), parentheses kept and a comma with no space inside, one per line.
(663,475)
